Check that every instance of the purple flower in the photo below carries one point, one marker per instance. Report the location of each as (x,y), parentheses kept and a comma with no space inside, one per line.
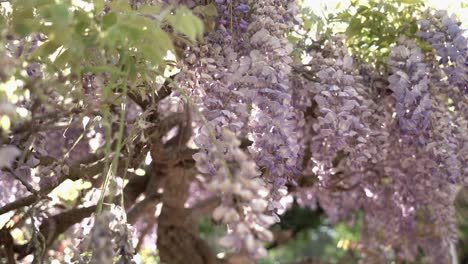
(242,8)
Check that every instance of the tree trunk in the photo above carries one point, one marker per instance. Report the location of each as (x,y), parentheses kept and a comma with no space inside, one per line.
(178,240)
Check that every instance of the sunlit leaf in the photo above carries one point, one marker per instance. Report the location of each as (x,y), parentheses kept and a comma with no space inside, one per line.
(149,9)
(183,21)
(62,59)
(45,49)
(206,10)
(120,5)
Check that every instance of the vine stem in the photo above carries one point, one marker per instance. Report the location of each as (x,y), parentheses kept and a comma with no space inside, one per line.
(112,171)
(231,16)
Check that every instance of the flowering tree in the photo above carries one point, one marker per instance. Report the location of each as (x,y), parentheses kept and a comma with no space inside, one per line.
(155,114)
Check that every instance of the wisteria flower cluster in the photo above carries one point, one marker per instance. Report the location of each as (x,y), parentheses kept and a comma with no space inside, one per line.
(410,85)
(443,32)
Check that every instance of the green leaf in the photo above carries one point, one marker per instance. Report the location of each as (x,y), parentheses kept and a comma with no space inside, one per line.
(2,21)
(110,37)
(307,24)
(21,20)
(410,2)
(149,9)
(45,49)
(136,27)
(294,39)
(120,5)
(38,3)
(132,70)
(354,27)
(163,40)
(185,22)
(98,6)
(22,29)
(206,10)
(83,21)
(361,9)
(62,59)
(109,20)
(128,31)
(77,45)
(61,14)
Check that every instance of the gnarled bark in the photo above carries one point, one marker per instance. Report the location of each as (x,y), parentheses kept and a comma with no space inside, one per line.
(178,240)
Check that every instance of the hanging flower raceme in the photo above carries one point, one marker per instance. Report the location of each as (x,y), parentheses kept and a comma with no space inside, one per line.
(445,35)
(228,170)
(443,32)
(343,111)
(274,123)
(222,91)
(341,132)
(244,194)
(410,84)
(410,204)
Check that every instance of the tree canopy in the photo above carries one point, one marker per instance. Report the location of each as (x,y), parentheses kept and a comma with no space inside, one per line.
(232,131)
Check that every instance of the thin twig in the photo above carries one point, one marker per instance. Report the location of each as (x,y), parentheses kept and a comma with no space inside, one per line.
(23,181)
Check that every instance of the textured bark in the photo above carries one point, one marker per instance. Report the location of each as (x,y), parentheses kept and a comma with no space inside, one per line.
(6,247)
(178,240)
